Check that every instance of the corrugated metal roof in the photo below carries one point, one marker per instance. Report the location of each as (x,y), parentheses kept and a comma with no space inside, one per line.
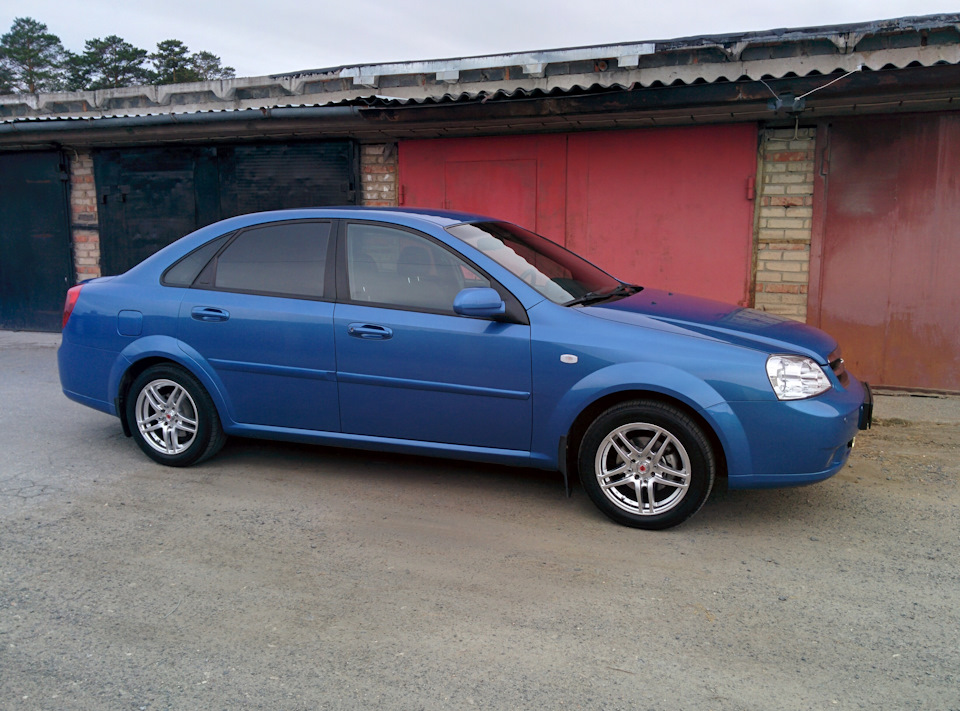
(844,37)
(580,71)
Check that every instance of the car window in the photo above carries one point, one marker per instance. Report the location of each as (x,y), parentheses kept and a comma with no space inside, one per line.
(557,273)
(186,270)
(397,268)
(287,259)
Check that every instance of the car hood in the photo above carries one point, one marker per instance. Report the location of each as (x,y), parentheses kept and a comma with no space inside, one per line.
(734,324)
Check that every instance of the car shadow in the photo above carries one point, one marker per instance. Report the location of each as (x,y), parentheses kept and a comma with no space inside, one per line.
(767,509)
(726,509)
(348,463)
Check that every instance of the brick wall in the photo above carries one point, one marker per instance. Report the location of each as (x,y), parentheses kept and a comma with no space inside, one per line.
(784,216)
(83,217)
(378,168)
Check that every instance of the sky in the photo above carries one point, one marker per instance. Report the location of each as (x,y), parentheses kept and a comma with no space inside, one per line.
(279,36)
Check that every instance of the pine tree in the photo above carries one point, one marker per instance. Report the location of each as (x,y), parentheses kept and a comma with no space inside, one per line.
(31,58)
(108,63)
(6,80)
(171,63)
(207,66)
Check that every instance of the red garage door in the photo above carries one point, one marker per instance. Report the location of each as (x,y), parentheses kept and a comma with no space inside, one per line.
(886,247)
(660,207)
(520,179)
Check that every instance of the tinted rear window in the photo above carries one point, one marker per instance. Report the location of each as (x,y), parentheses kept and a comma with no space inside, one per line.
(286,259)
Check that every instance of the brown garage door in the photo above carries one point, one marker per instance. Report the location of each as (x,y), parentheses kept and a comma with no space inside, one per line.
(885,260)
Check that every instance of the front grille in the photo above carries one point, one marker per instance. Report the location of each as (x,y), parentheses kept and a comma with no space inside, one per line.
(838,368)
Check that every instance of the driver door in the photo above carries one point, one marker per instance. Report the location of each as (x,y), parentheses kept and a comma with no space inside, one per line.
(408,367)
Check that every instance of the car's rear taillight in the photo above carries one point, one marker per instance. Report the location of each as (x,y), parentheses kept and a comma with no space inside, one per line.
(72,295)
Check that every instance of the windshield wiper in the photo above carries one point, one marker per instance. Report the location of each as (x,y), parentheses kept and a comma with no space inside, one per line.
(592,297)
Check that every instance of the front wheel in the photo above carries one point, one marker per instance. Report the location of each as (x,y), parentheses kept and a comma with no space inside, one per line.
(172,417)
(646,464)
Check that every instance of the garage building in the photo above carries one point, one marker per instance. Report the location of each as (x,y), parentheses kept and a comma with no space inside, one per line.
(813,173)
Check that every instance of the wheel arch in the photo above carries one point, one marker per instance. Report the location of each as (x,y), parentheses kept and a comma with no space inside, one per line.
(149,352)
(593,410)
(126,380)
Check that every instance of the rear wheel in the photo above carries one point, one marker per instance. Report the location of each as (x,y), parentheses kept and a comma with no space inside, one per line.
(646,464)
(172,417)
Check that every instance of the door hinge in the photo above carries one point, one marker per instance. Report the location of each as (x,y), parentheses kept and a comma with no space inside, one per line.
(752,187)
(118,192)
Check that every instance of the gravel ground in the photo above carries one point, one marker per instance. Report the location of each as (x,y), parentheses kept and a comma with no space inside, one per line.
(288,577)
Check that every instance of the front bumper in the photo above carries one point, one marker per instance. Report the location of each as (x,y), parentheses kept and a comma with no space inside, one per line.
(798,442)
(866,408)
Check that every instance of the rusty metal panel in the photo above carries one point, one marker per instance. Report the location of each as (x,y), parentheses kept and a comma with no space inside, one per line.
(660,207)
(887,247)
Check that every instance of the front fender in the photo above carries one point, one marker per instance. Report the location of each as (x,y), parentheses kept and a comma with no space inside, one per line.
(665,380)
(171,349)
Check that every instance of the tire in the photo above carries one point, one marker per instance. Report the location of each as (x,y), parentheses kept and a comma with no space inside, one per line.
(172,417)
(646,464)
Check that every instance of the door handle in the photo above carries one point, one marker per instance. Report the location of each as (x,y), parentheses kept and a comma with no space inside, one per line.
(369,331)
(209,314)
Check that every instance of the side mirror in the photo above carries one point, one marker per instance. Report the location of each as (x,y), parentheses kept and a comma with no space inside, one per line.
(479,301)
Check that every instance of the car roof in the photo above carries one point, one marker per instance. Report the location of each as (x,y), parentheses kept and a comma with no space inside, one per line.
(443,218)
(411,217)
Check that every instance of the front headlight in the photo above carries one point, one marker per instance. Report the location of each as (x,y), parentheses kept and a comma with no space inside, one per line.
(796,377)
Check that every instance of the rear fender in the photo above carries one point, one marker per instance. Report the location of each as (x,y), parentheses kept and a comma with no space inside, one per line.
(173,350)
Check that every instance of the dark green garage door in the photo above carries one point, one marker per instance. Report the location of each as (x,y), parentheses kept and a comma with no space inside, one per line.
(36,266)
(149,197)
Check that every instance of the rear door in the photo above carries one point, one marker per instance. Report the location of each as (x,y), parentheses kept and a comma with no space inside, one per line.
(408,366)
(261,314)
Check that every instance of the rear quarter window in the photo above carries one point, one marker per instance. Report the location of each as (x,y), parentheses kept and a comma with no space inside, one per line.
(183,272)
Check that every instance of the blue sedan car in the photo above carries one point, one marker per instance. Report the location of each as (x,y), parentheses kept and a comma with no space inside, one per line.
(456,335)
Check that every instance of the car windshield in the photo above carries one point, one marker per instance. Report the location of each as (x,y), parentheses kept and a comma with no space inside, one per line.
(557,273)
